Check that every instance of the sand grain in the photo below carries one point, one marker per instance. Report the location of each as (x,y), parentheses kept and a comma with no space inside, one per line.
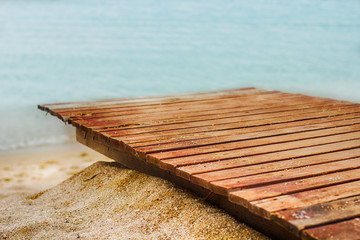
(107,201)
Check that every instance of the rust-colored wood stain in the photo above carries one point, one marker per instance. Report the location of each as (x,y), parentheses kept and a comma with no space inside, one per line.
(289,158)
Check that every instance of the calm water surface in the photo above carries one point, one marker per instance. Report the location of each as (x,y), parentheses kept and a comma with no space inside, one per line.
(56,51)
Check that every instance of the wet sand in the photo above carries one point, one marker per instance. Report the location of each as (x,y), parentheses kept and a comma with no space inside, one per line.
(72,192)
(37,169)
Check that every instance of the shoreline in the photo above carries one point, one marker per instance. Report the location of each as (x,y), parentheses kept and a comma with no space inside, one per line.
(35,169)
(69,145)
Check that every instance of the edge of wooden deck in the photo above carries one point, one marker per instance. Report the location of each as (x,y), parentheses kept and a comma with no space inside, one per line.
(118,127)
(268,227)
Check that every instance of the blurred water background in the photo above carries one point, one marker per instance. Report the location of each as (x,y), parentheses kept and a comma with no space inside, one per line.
(73,50)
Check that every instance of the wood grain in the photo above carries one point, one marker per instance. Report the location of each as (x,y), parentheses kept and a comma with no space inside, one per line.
(319,214)
(290,160)
(347,229)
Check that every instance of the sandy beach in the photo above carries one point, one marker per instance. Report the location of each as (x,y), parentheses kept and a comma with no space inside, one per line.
(71,192)
(40,168)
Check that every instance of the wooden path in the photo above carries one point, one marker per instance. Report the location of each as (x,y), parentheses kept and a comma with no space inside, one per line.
(287,164)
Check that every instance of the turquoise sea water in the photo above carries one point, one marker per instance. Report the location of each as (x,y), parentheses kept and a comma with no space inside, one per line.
(72,50)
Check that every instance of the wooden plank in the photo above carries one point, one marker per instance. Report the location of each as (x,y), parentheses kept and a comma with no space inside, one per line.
(223,186)
(233,172)
(277,149)
(319,214)
(187,171)
(78,110)
(267,157)
(244,196)
(206,127)
(265,207)
(145,126)
(214,107)
(150,99)
(348,229)
(191,147)
(233,134)
(96,142)
(62,110)
(288,160)
(252,99)
(254,139)
(168,118)
(258,101)
(100,144)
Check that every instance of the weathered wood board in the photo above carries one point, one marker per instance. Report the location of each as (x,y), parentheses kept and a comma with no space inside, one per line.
(289,159)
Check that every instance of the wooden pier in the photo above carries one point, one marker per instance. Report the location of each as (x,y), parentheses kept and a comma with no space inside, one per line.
(287,164)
